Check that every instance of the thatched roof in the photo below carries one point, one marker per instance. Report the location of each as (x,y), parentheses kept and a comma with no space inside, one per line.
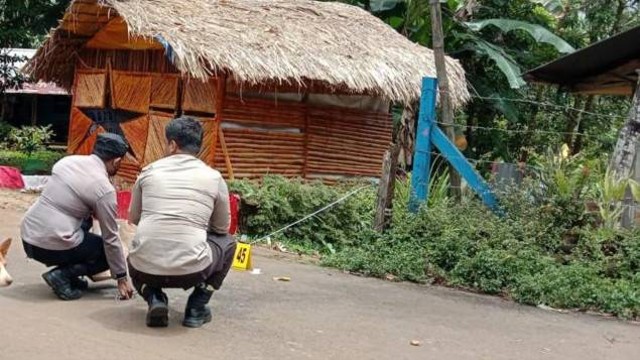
(284,41)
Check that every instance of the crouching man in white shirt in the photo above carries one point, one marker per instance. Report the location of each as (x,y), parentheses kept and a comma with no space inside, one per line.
(181,207)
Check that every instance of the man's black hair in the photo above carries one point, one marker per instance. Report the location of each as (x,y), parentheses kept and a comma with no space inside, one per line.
(186,132)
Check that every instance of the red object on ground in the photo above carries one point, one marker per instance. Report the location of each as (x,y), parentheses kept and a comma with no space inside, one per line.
(10,178)
(124,200)
(234,205)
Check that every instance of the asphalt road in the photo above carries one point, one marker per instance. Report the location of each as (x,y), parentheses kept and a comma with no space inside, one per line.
(319,314)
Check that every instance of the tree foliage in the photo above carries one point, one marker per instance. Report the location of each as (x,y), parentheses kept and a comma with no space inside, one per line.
(496,41)
(23,24)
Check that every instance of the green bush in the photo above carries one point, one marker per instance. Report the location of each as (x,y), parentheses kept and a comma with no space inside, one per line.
(29,139)
(5,130)
(37,163)
(281,202)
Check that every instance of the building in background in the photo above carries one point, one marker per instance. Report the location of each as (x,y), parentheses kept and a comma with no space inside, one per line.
(298,88)
(37,103)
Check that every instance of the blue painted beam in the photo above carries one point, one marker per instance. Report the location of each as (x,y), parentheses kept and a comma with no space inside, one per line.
(422,155)
(462,166)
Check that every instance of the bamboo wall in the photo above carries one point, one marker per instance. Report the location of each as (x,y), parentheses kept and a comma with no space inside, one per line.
(138,93)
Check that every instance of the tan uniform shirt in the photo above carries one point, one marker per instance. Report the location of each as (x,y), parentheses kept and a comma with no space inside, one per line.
(79,187)
(175,202)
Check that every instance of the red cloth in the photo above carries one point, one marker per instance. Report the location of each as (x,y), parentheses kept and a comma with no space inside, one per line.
(234,204)
(10,178)
(124,200)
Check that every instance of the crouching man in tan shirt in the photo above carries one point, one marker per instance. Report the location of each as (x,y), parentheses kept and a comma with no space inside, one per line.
(181,207)
(55,230)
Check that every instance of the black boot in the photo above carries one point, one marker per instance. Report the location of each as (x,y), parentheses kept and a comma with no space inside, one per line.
(79,282)
(197,313)
(158,313)
(60,281)
(76,274)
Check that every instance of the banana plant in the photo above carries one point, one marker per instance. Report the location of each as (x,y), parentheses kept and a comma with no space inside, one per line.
(499,55)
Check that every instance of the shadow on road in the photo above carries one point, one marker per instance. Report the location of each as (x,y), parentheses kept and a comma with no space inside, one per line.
(129,317)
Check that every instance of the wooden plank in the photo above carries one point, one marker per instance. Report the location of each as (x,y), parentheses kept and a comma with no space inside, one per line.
(208,128)
(156,140)
(422,157)
(384,203)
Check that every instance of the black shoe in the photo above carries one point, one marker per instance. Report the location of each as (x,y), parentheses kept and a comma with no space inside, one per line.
(61,285)
(195,318)
(197,313)
(158,313)
(79,283)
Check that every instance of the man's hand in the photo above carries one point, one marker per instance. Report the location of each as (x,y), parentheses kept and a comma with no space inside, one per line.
(124,289)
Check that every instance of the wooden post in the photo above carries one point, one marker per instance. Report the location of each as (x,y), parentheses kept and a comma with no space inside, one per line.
(34,110)
(305,164)
(386,189)
(225,152)
(625,151)
(443,83)
(422,156)
(628,218)
(406,134)
(221,90)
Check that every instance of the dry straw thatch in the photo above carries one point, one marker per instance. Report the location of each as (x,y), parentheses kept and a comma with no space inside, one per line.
(283,41)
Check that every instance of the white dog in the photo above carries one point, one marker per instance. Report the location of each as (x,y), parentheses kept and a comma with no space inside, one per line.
(5,278)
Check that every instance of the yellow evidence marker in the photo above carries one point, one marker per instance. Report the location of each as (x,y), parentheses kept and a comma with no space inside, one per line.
(242,257)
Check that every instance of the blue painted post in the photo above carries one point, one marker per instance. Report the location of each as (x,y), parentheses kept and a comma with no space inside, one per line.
(422,154)
(462,166)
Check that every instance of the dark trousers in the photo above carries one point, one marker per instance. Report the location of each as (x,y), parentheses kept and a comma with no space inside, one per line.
(88,258)
(222,247)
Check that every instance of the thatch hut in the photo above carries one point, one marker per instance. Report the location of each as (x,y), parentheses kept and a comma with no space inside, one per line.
(292,87)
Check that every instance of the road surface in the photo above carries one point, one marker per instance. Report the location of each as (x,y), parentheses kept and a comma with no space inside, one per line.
(319,314)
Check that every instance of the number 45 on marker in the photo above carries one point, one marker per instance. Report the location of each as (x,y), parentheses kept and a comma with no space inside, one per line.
(242,257)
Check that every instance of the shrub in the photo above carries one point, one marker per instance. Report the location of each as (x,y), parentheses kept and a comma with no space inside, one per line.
(5,130)
(37,163)
(30,138)
(464,245)
(281,202)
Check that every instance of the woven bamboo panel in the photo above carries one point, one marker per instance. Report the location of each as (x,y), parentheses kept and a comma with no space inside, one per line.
(136,133)
(79,126)
(346,142)
(208,128)
(164,91)
(131,91)
(199,96)
(153,61)
(156,140)
(86,148)
(129,169)
(258,112)
(89,88)
(257,153)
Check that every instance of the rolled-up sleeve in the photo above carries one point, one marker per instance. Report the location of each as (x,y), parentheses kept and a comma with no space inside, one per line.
(105,211)
(221,216)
